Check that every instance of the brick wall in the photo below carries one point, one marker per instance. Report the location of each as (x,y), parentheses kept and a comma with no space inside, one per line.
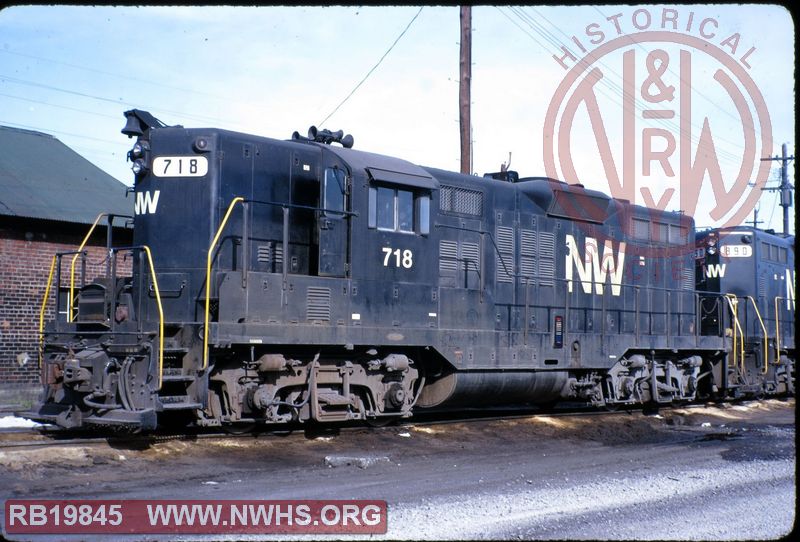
(26,251)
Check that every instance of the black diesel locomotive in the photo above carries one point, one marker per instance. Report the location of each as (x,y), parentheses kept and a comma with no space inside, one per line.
(301,280)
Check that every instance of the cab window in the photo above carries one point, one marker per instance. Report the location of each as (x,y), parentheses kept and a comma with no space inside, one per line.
(334,190)
(398,209)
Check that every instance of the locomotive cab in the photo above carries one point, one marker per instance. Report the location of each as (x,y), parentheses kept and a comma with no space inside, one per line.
(747,279)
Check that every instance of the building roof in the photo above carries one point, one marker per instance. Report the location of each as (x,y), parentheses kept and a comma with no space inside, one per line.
(40,177)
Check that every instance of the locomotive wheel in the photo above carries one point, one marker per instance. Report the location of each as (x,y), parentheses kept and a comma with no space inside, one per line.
(238,428)
(382,421)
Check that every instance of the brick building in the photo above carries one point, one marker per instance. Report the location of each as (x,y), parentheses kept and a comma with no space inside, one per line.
(49,197)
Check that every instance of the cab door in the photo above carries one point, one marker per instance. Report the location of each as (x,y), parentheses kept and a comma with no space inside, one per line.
(333,221)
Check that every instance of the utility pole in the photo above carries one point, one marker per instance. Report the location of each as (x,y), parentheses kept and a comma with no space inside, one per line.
(464,89)
(755,222)
(785,187)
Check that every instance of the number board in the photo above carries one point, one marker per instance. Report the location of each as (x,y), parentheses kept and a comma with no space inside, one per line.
(180,166)
(736,251)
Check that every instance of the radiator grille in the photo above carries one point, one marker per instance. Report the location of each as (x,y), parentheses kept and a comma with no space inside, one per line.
(263,254)
(271,254)
(527,251)
(687,279)
(448,256)
(505,258)
(470,252)
(547,262)
(461,200)
(318,303)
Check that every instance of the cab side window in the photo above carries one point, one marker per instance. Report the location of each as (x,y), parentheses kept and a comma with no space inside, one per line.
(398,209)
(334,190)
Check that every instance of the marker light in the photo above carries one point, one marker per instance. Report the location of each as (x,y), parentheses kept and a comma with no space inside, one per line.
(138,167)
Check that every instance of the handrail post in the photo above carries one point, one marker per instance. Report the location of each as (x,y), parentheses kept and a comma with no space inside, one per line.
(112,257)
(285,259)
(765,369)
(669,318)
(636,312)
(527,318)
(84,257)
(154,280)
(58,288)
(603,323)
(109,242)
(71,300)
(481,279)
(777,331)
(733,301)
(209,259)
(41,316)
(139,315)
(245,242)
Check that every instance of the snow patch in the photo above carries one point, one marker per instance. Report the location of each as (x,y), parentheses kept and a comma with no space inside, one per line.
(14,422)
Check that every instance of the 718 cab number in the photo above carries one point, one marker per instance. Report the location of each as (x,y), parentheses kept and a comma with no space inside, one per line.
(180,166)
(398,258)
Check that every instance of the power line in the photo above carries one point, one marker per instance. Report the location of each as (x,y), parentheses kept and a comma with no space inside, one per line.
(49,131)
(15,80)
(112,74)
(59,106)
(612,81)
(375,66)
(712,102)
(608,81)
(670,124)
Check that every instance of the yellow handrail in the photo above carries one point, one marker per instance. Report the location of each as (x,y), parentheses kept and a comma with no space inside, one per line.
(160,316)
(764,329)
(70,315)
(208,277)
(733,302)
(41,312)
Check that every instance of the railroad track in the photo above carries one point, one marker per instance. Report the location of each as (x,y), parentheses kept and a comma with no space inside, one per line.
(51,436)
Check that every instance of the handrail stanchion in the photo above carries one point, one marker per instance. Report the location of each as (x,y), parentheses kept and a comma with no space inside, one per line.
(765,369)
(41,315)
(160,316)
(734,302)
(777,332)
(208,277)
(71,300)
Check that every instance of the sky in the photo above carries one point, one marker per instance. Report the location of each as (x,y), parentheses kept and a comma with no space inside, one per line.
(72,71)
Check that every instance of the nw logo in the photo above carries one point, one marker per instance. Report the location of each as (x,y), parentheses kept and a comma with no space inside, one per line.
(146,203)
(716,270)
(593,265)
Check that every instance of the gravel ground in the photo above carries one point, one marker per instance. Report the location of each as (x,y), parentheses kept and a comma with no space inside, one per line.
(715,473)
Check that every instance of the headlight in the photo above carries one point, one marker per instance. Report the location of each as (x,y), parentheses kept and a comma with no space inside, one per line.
(711,241)
(712,250)
(137,151)
(138,167)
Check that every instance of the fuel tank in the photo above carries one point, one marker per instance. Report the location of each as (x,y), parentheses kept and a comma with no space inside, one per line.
(495,388)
